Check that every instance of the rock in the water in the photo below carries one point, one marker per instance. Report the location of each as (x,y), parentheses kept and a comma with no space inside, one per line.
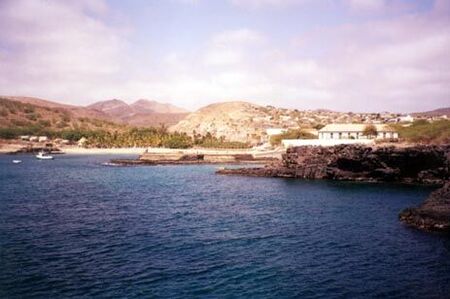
(433,214)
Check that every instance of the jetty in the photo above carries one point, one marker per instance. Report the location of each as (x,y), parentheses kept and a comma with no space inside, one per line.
(183,158)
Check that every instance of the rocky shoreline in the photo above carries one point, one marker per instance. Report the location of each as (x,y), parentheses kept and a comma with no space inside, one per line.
(425,165)
(428,165)
(433,214)
(35,150)
(192,159)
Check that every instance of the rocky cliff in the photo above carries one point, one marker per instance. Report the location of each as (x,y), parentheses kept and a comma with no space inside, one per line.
(433,214)
(418,164)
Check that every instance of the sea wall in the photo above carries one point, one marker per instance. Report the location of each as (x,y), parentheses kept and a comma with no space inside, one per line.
(418,164)
(181,158)
(287,143)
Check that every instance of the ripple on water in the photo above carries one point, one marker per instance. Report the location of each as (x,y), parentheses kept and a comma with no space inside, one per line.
(76,229)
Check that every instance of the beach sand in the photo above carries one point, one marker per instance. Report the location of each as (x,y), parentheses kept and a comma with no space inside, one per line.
(7,147)
(141,150)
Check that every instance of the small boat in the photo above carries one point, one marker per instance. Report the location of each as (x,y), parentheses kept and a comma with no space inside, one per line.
(17,161)
(44,156)
(110,164)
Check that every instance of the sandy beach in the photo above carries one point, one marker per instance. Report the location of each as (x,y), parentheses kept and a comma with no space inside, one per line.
(102,151)
(75,150)
(153,150)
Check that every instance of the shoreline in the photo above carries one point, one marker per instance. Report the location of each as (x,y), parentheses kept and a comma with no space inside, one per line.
(75,150)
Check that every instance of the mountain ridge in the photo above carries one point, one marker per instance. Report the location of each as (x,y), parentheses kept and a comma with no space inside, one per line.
(142,113)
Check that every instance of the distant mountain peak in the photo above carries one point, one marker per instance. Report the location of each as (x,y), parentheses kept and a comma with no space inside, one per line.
(435,112)
(149,106)
(142,112)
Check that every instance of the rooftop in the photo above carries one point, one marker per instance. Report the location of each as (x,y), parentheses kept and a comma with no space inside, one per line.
(354,128)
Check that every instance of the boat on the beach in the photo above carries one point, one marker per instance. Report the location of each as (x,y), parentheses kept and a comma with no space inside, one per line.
(43,156)
(17,161)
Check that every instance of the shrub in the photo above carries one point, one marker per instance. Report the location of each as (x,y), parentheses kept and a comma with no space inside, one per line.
(32,116)
(29,108)
(370,131)
(177,141)
(44,123)
(291,134)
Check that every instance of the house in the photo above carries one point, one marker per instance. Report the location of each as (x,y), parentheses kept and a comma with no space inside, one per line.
(82,142)
(43,139)
(275,131)
(34,138)
(405,118)
(25,137)
(356,131)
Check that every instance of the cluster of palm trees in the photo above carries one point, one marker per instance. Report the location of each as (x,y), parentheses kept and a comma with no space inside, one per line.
(139,137)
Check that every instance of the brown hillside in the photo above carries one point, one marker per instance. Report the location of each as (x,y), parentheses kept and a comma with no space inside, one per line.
(142,113)
(24,114)
(236,121)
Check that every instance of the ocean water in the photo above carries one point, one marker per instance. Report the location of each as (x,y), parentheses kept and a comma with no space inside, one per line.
(72,228)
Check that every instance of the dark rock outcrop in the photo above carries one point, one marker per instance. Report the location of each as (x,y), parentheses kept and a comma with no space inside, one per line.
(433,214)
(187,159)
(419,164)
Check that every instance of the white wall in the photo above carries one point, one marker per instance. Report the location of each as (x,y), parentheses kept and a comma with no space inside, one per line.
(356,135)
(323,142)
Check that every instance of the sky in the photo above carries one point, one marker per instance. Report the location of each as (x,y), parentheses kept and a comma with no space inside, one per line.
(344,55)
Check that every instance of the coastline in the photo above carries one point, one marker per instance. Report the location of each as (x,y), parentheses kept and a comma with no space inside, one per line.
(10,148)
(102,151)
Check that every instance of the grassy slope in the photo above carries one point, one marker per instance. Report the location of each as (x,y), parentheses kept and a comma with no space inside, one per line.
(421,131)
(26,118)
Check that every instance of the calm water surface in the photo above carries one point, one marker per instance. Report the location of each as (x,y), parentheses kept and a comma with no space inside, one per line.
(73,228)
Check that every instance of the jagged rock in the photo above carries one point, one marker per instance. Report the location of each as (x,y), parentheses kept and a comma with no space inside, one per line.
(433,214)
(417,164)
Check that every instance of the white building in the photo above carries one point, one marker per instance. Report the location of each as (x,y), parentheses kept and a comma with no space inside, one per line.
(355,131)
(275,131)
(405,118)
(82,142)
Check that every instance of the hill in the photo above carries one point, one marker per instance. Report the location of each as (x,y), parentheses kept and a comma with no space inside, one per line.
(156,107)
(234,121)
(113,108)
(436,112)
(76,111)
(141,112)
(27,117)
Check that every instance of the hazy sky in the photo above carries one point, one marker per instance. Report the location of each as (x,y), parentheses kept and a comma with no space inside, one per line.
(359,55)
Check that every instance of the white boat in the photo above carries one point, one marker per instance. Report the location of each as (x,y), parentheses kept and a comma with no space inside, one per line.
(44,156)
(17,161)
(110,164)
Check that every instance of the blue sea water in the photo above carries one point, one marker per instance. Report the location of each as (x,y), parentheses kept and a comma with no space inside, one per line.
(72,228)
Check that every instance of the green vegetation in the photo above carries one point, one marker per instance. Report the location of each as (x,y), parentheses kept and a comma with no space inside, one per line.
(291,134)
(134,137)
(210,141)
(370,131)
(137,137)
(422,131)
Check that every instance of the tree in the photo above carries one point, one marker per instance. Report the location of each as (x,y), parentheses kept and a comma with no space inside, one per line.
(291,134)
(370,131)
